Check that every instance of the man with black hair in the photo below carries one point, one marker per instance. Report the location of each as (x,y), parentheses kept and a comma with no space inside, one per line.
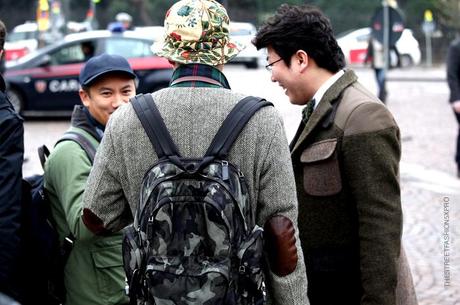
(345,155)
(11,158)
(93,272)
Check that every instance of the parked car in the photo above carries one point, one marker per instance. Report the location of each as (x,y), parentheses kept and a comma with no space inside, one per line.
(354,46)
(244,32)
(155,32)
(46,81)
(22,40)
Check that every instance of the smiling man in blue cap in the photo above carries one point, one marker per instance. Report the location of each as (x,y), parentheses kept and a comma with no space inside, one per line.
(93,272)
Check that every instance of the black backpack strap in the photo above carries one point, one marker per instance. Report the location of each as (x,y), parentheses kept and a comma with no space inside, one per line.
(43,154)
(154,126)
(232,126)
(81,140)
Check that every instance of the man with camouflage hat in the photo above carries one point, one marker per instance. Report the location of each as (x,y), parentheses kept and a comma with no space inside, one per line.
(193,108)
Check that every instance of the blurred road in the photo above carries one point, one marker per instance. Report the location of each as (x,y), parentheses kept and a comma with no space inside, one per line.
(430,190)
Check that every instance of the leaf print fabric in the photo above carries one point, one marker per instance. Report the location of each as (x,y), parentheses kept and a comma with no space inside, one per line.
(196,31)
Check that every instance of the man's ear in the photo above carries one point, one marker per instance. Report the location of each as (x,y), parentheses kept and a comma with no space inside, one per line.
(84,97)
(301,59)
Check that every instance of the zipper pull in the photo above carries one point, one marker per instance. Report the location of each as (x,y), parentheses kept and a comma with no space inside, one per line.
(225,175)
(150,228)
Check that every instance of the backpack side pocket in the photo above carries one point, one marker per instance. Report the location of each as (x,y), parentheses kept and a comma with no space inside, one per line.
(251,276)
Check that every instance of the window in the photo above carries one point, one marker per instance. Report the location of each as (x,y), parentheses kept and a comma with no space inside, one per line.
(19,36)
(128,48)
(363,38)
(68,55)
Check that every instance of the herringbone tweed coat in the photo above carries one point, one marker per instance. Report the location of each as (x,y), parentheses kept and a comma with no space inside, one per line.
(193,116)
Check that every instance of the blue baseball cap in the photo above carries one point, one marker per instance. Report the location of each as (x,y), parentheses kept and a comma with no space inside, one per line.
(103,64)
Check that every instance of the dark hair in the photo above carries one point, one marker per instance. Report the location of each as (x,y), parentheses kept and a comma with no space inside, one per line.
(86,88)
(303,27)
(2,34)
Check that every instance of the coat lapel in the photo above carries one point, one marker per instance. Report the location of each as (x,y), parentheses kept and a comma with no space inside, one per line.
(324,108)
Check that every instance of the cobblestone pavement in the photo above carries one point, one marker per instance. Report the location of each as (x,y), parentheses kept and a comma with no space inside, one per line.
(430,190)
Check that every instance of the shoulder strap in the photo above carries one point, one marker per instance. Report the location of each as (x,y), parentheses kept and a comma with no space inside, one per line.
(233,124)
(43,154)
(86,144)
(154,126)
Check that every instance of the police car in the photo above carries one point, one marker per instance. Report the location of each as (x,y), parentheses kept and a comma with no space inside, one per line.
(46,81)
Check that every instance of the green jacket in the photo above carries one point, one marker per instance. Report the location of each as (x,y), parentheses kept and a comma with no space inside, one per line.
(94,272)
(346,164)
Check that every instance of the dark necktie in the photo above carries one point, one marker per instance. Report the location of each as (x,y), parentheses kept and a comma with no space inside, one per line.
(307,111)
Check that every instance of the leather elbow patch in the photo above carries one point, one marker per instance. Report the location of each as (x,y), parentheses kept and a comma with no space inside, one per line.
(280,245)
(94,223)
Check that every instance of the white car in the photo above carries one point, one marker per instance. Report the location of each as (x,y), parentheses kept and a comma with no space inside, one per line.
(354,46)
(155,33)
(244,32)
(22,40)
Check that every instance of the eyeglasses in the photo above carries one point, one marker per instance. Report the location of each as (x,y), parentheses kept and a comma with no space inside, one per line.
(269,66)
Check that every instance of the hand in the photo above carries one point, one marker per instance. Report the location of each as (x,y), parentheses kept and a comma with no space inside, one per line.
(456,106)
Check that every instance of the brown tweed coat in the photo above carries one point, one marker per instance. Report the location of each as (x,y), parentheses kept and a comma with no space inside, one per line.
(346,164)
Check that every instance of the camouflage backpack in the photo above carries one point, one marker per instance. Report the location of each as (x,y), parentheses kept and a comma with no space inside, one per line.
(194,239)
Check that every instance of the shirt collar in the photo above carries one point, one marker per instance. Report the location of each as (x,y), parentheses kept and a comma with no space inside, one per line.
(325,86)
(98,127)
(201,71)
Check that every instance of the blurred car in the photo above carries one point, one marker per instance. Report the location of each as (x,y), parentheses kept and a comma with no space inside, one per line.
(22,40)
(354,46)
(244,32)
(46,81)
(152,32)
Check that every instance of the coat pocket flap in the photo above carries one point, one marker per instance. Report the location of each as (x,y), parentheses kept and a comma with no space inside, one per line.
(319,151)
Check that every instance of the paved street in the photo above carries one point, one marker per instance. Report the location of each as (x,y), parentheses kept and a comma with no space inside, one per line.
(430,190)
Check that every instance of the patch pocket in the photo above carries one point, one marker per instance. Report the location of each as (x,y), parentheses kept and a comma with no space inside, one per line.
(321,172)
(109,273)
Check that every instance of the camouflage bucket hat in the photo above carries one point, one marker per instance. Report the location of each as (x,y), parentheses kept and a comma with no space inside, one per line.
(196,31)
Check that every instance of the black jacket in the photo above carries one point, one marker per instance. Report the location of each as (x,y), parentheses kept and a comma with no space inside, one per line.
(11,158)
(453,70)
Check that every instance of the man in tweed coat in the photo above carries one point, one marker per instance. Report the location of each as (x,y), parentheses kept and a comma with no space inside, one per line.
(193,108)
(346,162)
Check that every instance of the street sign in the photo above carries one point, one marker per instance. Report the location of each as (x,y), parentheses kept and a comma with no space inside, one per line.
(43,21)
(396,25)
(428,28)
(428,16)
(428,25)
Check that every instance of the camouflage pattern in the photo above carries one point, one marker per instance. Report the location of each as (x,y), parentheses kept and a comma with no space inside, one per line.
(194,238)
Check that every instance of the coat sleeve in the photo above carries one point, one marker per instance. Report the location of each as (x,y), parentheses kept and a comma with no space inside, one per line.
(66,173)
(371,155)
(106,208)
(11,158)
(453,71)
(277,197)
